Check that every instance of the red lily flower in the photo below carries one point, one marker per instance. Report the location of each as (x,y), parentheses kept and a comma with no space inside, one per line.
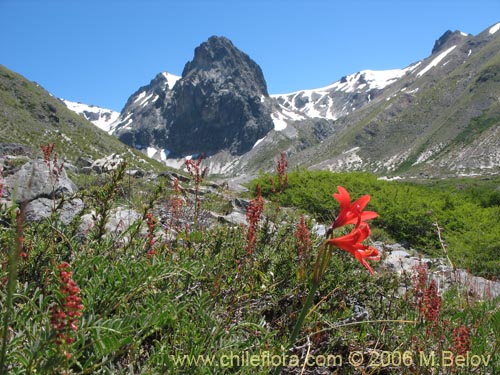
(351,213)
(353,243)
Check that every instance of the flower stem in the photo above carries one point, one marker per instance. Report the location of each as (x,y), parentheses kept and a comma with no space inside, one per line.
(322,260)
(13,261)
(303,313)
(300,321)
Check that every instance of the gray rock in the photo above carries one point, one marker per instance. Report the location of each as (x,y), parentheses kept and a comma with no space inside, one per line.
(15,149)
(41,208)
(397,259)
(174,175)
(34,180)
(82,162)
(136,173)
(119,220)
(235,218)
(107,164)
(319,229)
(239,203)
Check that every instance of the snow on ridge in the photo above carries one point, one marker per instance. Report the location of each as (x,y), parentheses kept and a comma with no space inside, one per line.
(105,117)
(140,96)
(145,100)
(494,28)
(319,102)
(170,78)
(282,116)
(436,61)
(372,78)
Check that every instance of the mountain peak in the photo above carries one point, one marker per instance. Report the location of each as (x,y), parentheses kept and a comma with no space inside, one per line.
(219,104)
(219,57)
(448,39)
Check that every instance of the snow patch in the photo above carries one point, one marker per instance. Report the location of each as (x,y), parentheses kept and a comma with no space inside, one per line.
(495,28)
(144,102)
(414,67)
(436,61)
(156,154)
(170,78)
(319,103)
(386,178)
(126,125)
(424,156)
(279,121)
(140,96)
(258,141)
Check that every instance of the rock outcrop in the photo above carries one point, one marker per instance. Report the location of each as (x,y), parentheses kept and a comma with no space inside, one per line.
(219,104)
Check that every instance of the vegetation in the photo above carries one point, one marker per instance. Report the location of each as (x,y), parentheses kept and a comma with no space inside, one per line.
(32,116)
(178,294)
(466,209)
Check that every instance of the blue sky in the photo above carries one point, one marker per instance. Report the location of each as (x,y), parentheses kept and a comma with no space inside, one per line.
(101,51)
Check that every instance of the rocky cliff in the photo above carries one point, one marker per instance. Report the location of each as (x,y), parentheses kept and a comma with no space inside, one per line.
(219,104)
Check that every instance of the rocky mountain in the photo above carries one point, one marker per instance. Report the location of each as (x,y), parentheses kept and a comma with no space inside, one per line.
(30,116)
(342,97)
(101,117)
(441,117)
(220,104)
(437,116)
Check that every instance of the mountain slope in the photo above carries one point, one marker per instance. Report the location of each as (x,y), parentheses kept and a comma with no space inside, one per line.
(31,116)
(342,97)
(441,117)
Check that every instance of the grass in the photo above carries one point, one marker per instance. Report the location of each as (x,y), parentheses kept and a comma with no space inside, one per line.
(31,114)
(196,305)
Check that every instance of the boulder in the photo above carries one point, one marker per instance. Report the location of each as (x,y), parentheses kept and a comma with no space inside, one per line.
(41,208)
(36,179)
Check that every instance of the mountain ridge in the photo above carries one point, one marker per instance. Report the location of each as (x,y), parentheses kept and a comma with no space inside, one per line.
(437,116)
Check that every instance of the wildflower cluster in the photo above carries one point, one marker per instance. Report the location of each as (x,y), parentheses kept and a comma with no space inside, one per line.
(51,160)
(419,278)
(198,174)
(350,213)
(66,315)
(195,170)
(254,213)
(151,225)
(20,239)
(426,295)
(281,167)
(461,340)
(176,203)
(304,244)
(430,306)
(1,180)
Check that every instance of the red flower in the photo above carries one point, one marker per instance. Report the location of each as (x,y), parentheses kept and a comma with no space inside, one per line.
(351,213)
(353,243)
